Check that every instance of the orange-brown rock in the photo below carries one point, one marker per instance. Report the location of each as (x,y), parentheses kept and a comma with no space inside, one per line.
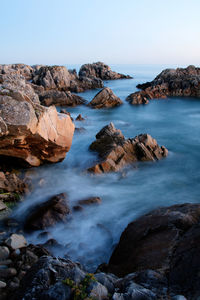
(29,131)
(184,82)
(105,99)
(115,152)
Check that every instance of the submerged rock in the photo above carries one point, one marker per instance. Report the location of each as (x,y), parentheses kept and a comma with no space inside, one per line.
(100,70)
(105,99)
(115,151)
(89,201)
(184,82)
(29,131)
(48,213)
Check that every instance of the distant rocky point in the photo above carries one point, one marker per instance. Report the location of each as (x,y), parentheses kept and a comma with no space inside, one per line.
(184,82)
(100,70)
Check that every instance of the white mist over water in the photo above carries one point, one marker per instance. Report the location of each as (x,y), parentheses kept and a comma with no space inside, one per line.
(91,234)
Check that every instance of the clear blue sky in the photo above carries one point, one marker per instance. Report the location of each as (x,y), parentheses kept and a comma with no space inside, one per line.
(113,31)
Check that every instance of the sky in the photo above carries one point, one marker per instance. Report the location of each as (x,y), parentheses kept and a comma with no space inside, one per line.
(112,31)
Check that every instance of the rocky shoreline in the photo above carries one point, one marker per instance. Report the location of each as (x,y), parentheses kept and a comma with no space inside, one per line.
(157,256)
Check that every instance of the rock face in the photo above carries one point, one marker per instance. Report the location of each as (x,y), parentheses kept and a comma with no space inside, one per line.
(105,99)
(169,83)
(100,70)
(48,213)
(167,240)
(115,151)
(60,98)
(29,131)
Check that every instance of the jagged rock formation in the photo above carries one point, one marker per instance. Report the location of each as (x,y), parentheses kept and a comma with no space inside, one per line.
(115,151)
(169,83)
(60,98)
(105,99)
(29,131)
(100,70)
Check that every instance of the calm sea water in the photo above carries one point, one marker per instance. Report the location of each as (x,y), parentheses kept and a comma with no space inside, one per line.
(175,123)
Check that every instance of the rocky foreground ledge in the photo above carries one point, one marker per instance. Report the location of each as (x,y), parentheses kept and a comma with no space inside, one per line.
(157,258)
(115,152)
(181,82)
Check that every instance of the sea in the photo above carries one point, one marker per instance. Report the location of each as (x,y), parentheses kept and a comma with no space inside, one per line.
(91,235)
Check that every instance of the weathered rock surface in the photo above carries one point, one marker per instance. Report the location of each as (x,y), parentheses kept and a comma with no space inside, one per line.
(29,131)
(184,82)
(20,69)
(105,99)
(60,98)
(16,241)
(115,151)
(10,182)
(100,70)
(48,213)
(166,240)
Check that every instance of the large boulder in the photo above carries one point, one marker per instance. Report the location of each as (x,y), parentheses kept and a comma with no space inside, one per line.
(100,70)
(28,131)
(105,99)
(166,240)
(115,151)
(48,213)
(184,82)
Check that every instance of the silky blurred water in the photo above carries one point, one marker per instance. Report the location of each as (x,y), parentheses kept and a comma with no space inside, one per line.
(90,235)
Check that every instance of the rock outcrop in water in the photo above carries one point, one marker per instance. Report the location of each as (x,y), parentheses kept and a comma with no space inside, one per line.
(28,131)
(105,99)
(169,83)
(100,70)
(166,240)
(48,213)
(115,151)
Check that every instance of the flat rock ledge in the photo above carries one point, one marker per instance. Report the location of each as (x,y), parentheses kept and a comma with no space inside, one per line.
(105,99)
(29,131)
(115,152)
(181,82)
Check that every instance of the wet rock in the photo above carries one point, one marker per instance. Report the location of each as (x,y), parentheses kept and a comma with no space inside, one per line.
(100,70)
(80,130)
(89,201)
(166,240)
(105,99)
(115,151)
(44,277)
(77,208)
(16,241)
(48,213)
(4,252)
(80,118)
(107,280)
(184,82)
(31,132)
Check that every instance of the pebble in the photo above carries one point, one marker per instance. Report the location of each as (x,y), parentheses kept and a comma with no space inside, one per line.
(7,273)
(4,252)
(2,284)
(16,241)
